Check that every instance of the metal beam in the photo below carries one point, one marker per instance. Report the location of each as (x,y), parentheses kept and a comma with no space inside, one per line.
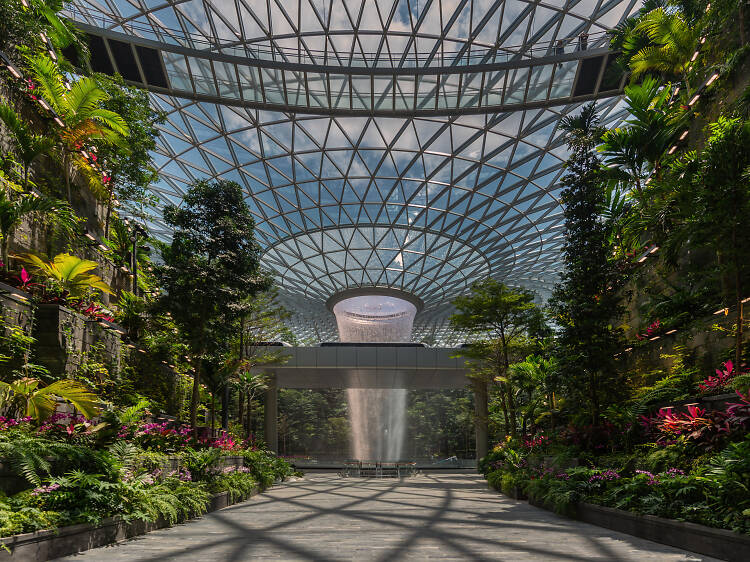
(516,84)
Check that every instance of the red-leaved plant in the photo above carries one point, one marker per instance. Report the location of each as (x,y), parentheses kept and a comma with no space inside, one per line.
(723,376)
(651,331)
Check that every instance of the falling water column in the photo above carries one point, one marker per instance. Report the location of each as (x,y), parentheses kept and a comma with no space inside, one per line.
(377,417)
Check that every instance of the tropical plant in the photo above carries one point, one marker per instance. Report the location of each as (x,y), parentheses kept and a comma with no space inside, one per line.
(501,317)
(131,314)
(662,42)
(80,109)
(70,273)
(248,384)
(29,146)
(39,402)
(29,455)
(13,210)
(639,146)
(535,376)
(586,301)
(130,173)
(211,267)
(22,23)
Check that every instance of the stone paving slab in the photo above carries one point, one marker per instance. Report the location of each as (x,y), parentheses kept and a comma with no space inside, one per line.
(434,516)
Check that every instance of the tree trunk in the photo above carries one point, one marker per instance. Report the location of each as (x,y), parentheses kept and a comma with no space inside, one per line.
(512,412)
(741,22)
(738,301)
(511,401)
(108,216)
(213,414)
(504,405)
(594,394)
(195,397)
(6,251)
(241,409)
(66,173)
(249,413)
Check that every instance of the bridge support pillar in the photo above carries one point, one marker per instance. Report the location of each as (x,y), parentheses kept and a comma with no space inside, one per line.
(271,417)
(480,418)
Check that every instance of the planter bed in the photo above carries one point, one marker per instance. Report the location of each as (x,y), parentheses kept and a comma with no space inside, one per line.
(47,545)
(717,543)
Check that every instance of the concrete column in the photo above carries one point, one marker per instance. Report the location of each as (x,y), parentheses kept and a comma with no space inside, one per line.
(480,418)
(271,424)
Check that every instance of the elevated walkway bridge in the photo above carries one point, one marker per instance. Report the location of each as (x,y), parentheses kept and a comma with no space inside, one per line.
(413,84)
(371,366)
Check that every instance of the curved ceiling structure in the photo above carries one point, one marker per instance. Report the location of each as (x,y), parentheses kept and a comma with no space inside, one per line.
(425,204)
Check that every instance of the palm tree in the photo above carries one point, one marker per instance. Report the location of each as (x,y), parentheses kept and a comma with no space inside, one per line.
(79,108)
(14,211)
(29,146)
(639,147)
(249,385)
(583,130)
(671,44)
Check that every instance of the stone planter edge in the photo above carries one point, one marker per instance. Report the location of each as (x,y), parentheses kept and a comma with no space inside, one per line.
(15,293)
(40,546)
(717,543)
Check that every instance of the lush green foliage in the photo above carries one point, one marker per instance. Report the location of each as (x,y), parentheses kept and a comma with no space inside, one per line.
(586,302)
(210,268)
(75,477)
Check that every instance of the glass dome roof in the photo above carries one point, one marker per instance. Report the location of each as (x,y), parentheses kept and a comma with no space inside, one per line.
(422,204)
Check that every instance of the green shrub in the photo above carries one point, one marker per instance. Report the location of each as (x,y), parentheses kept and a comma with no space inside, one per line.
(266,467)
(239,484)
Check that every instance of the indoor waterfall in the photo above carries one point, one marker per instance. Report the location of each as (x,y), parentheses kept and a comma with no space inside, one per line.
(377,416)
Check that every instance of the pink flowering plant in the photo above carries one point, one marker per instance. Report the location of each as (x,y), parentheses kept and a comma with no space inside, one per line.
(154,436)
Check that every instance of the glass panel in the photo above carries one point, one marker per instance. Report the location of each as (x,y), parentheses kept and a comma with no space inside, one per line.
(226,80)
(539,84)
(426,91)
(405,92)
(273,86)
(448,97)
(517,86)
(383,89)
(203,76)
(177,71)
(339,91)
(361,92)
(470,89)
(493,87)
(317,87)
(295,88)
(250,83)
(562,83)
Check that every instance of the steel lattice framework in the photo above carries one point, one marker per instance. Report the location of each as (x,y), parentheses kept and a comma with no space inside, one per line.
(426,204)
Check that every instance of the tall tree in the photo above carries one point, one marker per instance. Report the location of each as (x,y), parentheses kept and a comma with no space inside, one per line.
(211,267)
(131,171)
(501,317)
(262,320)
(585,303)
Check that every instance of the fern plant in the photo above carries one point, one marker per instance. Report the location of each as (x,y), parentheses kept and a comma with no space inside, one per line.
(29,456)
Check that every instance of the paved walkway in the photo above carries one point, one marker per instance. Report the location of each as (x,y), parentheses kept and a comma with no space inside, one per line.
(432,516)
